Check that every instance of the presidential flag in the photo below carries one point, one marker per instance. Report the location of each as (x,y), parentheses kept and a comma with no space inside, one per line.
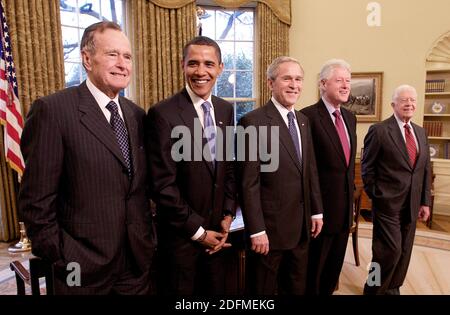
(10,110)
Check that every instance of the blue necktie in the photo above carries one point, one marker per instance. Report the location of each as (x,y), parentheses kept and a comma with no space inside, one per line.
(294,134)
(209,130)
(118,125)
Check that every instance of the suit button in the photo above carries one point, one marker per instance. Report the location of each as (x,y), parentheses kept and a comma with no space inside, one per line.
(216,186)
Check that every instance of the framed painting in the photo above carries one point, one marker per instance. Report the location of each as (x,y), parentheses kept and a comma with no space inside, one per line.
(366,97)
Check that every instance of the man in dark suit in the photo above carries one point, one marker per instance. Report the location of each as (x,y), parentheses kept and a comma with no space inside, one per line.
(83,194)
(281,203)
(193,184)
(334,136)
(396,175)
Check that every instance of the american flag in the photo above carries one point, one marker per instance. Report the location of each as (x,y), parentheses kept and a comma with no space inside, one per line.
(10,110)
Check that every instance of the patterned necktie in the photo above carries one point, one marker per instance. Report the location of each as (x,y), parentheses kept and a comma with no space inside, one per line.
(118,125)
(209,130)
(339,124)
(294,134)
(410,145)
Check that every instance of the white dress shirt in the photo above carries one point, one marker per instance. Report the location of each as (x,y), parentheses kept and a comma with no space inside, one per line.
(331,109)
(197,101)
(103,100)
(401,125)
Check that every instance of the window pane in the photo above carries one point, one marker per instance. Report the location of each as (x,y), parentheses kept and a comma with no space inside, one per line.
(84,12)
(107,9)
(243,108)
(68,13)
(208,24)
(244,84)
(244,56)
(225,84)
(224,24)
(70,44)
(119,12)
(89,12)
(244,26)
(227,50)
(72,73)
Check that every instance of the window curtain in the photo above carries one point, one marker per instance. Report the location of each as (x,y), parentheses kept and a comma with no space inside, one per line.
(158,32)
(36,41)
(272,39)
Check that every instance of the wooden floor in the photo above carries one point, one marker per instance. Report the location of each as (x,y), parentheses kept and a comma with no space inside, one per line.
(428,271)
(427,275)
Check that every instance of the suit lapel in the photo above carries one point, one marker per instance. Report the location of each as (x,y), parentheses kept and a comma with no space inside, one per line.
(421,140)
(330,129)
(94,120)
(221,123)
(188,115)
(284,135)
(396,135)
(302,125)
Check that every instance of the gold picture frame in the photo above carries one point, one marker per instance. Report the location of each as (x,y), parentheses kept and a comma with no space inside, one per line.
(366,96)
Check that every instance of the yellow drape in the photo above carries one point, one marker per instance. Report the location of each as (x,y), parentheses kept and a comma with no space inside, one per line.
(273,41)
(281,8)
(36,42)
(158,35)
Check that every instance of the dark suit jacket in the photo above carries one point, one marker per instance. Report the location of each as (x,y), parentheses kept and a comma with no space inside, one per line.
(188,193)
(76,199)
(389,179)
(271,201)
(336,178)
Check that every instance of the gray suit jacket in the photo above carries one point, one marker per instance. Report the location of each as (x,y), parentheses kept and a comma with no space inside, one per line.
(389,179)
(75,197)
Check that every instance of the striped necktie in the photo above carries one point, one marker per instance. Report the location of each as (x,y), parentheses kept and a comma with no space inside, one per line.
(118,125)
(339,124)
(209,129)
(294,135)
(410,145)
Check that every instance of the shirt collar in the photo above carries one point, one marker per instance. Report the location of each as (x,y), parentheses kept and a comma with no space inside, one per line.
(401,123)
(283,110)
(197,100)
(331,109)
(101,98)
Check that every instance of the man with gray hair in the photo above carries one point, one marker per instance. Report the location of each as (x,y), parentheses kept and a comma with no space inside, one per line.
(84,195)
(397,177)
(334,136)
(282,208)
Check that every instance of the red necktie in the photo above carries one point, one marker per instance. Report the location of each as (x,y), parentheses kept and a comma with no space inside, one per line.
(342,135)
(410,145)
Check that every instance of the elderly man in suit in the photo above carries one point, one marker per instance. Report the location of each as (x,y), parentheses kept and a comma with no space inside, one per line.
(396,175)
(83,195)
(334,136)
(193,184)
(282,206)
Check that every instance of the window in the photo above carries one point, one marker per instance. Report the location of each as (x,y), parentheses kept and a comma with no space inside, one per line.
(76,15)
(233,30)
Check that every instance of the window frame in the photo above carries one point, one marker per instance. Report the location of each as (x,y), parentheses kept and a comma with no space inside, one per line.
(80,30)
(234,100)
